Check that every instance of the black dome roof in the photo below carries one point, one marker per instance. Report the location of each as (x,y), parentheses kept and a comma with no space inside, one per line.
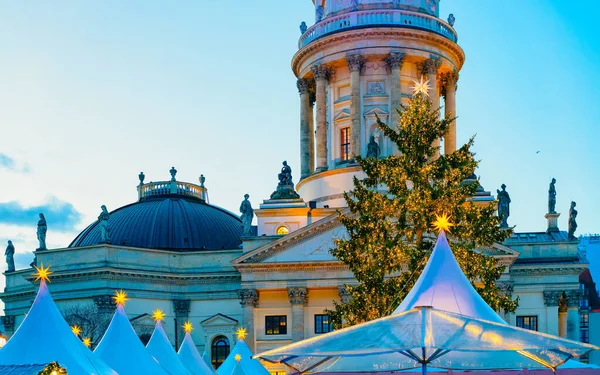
(169,222)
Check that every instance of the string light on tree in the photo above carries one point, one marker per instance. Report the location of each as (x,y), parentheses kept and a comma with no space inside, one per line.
(42,273)
(120,298)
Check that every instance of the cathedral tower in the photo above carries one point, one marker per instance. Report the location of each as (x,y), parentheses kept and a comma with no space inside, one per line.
(358,61)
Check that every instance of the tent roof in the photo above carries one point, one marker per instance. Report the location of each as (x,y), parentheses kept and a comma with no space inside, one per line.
(122,349)
(44,337)
(247,363)
(443,286)
(191,358)
(160,348)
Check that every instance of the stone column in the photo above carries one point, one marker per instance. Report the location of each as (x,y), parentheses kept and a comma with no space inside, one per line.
(551,301)
(573,298)
(8,321)
(248,300)
(344,298)
(562,316)
(311,126)
(448,85)
(355,64)
(182,313)
(322,74)
(303,88)
(429,69)
(298,298)
(394,61)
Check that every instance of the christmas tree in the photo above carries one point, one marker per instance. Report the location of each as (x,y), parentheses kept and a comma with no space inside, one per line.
(391,210)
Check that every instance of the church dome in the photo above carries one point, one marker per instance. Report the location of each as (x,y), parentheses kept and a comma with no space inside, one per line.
(170,215)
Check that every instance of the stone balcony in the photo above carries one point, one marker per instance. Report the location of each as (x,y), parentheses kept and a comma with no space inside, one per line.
(160,188)
(377,18)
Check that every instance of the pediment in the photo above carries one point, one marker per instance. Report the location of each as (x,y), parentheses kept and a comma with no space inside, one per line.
(219,320)
(376,111)
(342,115)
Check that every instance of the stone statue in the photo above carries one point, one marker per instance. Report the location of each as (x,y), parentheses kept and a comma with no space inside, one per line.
(285,177)
(373,148)
(503,206)
(572,221)
(141,176)
(319,13)
(451,19)
(104,225)
(247,215)
(303,28)
(552,197)
(354,4)
(173,172)
(10,257)
(42,228)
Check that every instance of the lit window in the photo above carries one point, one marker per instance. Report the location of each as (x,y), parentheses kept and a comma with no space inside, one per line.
(584,320)
(276,325)
(344,144)
(322,323)
(282,230)
(584,335)
(277,372)
(219,351)
(527,322)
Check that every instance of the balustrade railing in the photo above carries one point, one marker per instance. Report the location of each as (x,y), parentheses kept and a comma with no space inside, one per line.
(391,18)
(152,189)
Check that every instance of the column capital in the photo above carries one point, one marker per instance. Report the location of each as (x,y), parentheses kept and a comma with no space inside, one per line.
(182,307)
(321,71)
(298,296)
(344,293)
(355,62)
(431,65)
(104,303)
(448,81)
(248,297)
(395,60)
(573,297)
(552,297)
(506,287)
(303,85)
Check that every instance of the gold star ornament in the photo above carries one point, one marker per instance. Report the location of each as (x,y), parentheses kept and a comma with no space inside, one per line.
(420,87)
(42,273)
(76,329)
(442,223)
(158,315)
(187,327)
(238,357)
(120,298)
(87,342)
(241,333)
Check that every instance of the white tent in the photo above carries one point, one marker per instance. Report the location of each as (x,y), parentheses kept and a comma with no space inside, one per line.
(207,360)
(44,337)
(247,363)
(160,347)
(191,358)
(122,349)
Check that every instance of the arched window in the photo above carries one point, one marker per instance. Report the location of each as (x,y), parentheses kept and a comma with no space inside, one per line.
(282,230)
(219,351)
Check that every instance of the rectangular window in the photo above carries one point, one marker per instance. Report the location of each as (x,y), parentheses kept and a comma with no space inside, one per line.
(584,335)
(584,303)
(584,320)
(276,325)
(345,144)
(322,323)
(277,372)
(528,322)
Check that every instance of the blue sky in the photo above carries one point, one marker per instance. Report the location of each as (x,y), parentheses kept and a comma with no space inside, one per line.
(94,92)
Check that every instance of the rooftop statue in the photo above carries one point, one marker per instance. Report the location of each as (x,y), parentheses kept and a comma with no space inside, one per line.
(247,215)
(173,172)
(285,177)
(319,14)
(10,257)
(42,229)
(451,19)
(373,148)
(104,225)
(354,4)
(303,27)
(285,187)
(141,176)
(552,197)
(572,221)
(503,206)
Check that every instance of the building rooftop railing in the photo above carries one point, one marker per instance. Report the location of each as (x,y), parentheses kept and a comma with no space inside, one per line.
(374,18)
(153,189)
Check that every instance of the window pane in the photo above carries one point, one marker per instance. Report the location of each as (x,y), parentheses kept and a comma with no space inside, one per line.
(276,325)
(219,351)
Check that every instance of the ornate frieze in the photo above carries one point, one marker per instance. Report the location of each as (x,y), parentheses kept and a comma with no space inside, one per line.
(321,71)
(344,294)
(355,62)
(395,60)
(431,65)
(182,307)
(8,322)
(448,80)
(298,296)
(104,303)
(248,297)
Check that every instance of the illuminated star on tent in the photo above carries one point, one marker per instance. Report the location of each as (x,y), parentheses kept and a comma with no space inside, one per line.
(158,315)
(87,342)
(421,87)
(187,327)
(241,333)
(42,273)
(120,298)
(76,329)
(442,223)
(238,357)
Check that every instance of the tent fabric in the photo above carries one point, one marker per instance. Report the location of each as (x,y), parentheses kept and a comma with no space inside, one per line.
(443,285)
(21,369)
(160,348)
(402,341)
(207,361)
(122,349)
(247,363)
(191,358)
(44,336)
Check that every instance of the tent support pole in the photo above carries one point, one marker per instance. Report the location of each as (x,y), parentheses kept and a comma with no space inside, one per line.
(424,368)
